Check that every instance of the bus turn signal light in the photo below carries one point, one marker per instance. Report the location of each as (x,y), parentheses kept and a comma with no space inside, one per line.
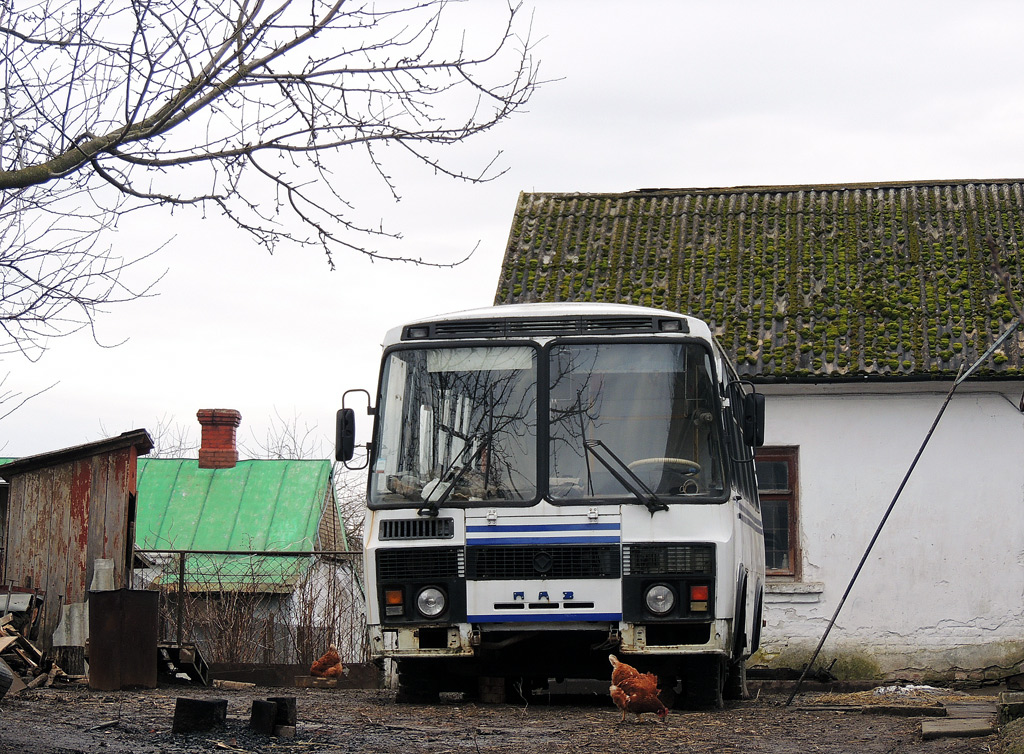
(699,598)
(393,602)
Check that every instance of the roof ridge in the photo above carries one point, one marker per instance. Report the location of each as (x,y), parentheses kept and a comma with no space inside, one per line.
(784,188)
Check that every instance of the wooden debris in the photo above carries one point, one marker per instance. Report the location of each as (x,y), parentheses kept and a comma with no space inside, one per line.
(20,654)
(312,682)
(198,714)
(103,726)
(287,710)
(262,717)
(236,685)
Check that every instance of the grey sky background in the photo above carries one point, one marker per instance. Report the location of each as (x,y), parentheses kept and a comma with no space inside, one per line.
(648,94)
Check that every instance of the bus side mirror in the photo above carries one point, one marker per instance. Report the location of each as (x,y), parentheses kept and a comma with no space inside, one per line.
(753,419)
(345,435)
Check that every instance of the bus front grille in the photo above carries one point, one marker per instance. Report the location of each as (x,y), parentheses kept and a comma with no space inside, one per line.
(420,563)
(504,562)
(657,559)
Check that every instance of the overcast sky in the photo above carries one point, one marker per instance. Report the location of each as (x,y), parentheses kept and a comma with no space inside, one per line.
(649,94)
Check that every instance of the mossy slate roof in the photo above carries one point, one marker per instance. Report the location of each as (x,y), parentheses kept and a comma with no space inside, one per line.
(798,282)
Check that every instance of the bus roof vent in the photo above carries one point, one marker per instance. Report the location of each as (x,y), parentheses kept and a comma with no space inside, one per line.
(541,326)
(468,328)
(619,324)
(544,326)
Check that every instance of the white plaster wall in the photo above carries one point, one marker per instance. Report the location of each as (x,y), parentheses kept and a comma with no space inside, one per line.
(942,593)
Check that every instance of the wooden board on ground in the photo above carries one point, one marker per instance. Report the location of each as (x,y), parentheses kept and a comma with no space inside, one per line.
(312,682)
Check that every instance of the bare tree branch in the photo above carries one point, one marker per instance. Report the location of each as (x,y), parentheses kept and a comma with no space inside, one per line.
(271,113)
(11,400)
(119,92)
(172,440)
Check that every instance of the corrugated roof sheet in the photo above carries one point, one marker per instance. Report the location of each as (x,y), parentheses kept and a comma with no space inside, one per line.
(257,505)
(799,282)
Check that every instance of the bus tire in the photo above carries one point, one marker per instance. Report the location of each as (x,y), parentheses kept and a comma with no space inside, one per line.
(736,681)
(705,682)
(6,679)
(755,639)
(416,685)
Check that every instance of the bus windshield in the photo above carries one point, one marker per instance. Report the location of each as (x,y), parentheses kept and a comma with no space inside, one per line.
(457,425)
(617,421)
(633,419)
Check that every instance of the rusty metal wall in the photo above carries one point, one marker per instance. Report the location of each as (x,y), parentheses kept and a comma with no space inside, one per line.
(123,634)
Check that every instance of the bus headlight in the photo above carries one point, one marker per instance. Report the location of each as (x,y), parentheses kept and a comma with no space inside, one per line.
(660,599)
(431,602)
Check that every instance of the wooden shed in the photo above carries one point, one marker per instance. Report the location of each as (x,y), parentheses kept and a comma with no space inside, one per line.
(67,509)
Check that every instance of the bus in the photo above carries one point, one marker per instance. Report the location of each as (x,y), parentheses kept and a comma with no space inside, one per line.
(549,484)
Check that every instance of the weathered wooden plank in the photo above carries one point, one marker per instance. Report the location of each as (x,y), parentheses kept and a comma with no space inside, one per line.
(97,516)
(17,535)
(81,484)
(39,484)
(57,549)
(117,514)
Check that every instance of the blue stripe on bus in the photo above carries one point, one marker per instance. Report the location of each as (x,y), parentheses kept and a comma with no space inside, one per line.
(546,618)
(470,542)
(544,527)
(755,525)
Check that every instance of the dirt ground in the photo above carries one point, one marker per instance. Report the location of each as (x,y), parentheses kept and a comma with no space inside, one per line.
(74,719)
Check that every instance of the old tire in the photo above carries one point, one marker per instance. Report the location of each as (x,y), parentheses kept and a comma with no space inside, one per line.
(704,684)
(416,684)
(6,679)
(736,681)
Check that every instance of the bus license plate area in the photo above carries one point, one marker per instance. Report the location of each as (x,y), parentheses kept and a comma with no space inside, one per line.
(543,600)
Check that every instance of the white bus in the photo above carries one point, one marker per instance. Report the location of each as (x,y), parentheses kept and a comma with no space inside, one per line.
(552,483)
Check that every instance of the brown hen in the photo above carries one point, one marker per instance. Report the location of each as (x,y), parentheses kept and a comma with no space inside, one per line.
(328,666)
(634,692)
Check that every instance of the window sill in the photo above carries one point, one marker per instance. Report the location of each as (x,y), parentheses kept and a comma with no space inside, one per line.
(793,591)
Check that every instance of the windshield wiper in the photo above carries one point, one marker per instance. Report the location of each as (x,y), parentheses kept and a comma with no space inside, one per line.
(629,480)
(432,506)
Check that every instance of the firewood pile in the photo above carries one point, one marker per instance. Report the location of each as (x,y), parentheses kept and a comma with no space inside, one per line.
(24,659)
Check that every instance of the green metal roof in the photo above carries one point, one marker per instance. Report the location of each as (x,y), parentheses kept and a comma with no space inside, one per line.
(258,505)
(799,282)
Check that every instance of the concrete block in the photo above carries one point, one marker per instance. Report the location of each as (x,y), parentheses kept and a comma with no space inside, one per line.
(1011,705)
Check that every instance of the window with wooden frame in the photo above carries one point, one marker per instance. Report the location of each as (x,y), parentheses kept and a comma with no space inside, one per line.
(778,489)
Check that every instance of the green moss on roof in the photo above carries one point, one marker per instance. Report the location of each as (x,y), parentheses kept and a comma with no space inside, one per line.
(798,282)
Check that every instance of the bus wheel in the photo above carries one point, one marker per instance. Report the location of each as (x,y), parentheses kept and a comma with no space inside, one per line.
(705,682)
(416,685)
(736,681)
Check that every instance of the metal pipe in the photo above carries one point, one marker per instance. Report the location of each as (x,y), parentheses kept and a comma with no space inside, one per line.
(262,553)
(181,597)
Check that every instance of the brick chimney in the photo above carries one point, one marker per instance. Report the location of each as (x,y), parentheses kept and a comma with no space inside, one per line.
(218,449)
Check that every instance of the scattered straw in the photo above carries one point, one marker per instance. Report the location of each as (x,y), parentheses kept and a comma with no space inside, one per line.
(896,696)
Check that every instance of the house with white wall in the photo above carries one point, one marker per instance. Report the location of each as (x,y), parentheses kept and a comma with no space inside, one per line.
(852,308)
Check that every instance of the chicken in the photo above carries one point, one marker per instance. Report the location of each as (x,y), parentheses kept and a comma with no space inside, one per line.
(633,691)
(328,666)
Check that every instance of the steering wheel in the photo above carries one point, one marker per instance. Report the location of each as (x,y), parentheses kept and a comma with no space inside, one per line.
(682,469)
(683,465)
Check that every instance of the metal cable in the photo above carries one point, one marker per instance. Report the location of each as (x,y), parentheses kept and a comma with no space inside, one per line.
(874,538)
